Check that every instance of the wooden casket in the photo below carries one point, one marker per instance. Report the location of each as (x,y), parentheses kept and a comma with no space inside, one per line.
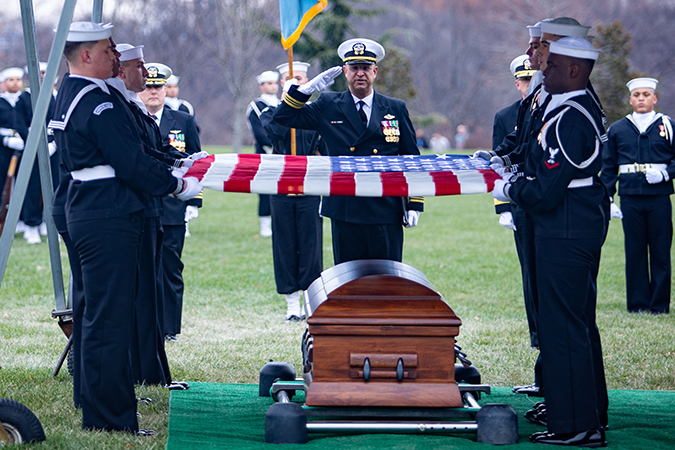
(379,335)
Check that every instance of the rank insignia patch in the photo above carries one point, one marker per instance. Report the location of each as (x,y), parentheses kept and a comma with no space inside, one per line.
(550,163)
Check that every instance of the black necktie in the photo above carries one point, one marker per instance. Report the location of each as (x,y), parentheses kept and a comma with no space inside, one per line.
(362,113)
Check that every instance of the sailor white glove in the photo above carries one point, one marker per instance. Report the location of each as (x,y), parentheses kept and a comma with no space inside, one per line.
(615,211)
(6,132)
(412,217)
(501,191)
(51,148)
(181,166)
(656,176)
(191,212)
(13,142)
(506,220)
(288,83)
(321,81)
(483,154)
(188,188)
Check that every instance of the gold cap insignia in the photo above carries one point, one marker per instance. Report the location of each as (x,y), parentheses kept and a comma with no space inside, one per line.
(152,72)
(359,49)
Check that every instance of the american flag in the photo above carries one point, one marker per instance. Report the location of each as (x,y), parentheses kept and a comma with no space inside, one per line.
(361,176)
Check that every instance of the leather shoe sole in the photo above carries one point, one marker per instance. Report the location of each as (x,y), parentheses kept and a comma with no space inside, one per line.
(537,416)
(586,439)
(531,390)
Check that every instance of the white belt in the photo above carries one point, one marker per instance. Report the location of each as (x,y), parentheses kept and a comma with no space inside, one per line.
(635,167)
(93,173)
(580,182)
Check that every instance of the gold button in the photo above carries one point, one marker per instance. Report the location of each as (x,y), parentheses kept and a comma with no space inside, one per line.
(375,151)
(351,149)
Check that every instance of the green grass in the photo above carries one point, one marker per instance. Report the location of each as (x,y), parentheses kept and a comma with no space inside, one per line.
(233,318)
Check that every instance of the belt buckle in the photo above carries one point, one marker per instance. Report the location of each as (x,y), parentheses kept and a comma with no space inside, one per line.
(639,168)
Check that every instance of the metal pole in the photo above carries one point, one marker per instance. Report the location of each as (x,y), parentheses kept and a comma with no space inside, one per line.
(37,127)
(44,167)
(390,427)
(97,12)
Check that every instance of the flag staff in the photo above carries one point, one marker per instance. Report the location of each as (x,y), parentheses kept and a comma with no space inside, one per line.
(290,76)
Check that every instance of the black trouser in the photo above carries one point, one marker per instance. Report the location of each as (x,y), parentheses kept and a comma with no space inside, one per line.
(31,212)
(352,241)
(264,205)
(108,251)
(524,238)
(571,353)
(148,358)
(172,249)
(648,236)
(297,240)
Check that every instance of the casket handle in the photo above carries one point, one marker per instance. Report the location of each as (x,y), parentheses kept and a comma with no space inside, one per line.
(399,370)
(366,369)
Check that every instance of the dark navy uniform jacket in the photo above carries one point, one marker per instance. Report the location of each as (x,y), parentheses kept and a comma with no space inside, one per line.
(506,121)
(96,132)
(178,127)
(307,141)
(335,117)
(626,145)
(7,120)
(255,121)
(558,210)
(24,114)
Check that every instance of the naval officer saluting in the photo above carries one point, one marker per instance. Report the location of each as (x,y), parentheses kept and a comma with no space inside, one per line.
(104,214)
(358,122)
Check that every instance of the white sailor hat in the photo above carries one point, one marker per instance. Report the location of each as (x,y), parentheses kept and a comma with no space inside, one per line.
(576,47)
(360,51)
(88,31)
(297,67)
(128,52)
(173,79)
(158,73)
(637,83)
(42,65)
(268,75)
(521,68)
(564,26)
(11,72)
(535,30)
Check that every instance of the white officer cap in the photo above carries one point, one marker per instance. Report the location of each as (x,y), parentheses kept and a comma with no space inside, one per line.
(521,68)
(173,79)
(360,51)
(564,26)
(576,47)
(128,52)
(297,67)
(637,83)
(158,73)
(268,75)
(88,31)
(11,72)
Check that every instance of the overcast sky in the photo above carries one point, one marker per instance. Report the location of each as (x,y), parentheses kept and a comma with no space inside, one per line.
(49,11)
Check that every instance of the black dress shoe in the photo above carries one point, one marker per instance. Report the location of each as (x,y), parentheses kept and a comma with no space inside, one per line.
(532,390)
(587,439)
(537,416)
(539,405)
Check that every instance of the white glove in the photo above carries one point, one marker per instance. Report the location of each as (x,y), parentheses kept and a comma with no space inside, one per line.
(412,217)
(506,220)
(499,192)
(615,211)
(15,143)
(190,160)
(483,154)
(656,176)
(51,148)
(288,83)
(321,81)
(191,212)
(191,187)
(6,132)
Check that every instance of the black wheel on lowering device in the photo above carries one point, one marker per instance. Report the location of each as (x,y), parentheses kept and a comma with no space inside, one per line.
(497,424)
(270,373)
(19,423)
(285,423)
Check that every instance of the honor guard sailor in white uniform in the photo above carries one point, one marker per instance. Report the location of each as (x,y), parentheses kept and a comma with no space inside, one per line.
(358,122)
(639,154)
(110,173)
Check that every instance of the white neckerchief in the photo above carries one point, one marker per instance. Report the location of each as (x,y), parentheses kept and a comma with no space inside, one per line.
(270,99)
(368,107)
(97,81)
(172,102)
(642,121)
(11,98)
(559,99)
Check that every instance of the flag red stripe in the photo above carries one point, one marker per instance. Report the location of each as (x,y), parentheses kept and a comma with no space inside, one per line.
(489,176)
(394,184)
(446,183)
(200,167)
(342,184)
(293,176)
(244,171)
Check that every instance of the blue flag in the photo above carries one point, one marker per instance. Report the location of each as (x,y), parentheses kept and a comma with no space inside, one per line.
(295,15)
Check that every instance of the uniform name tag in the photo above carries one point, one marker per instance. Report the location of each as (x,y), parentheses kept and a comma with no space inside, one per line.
(102,107)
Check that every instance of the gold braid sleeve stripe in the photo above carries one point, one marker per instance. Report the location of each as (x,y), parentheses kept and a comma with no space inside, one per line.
(293,103)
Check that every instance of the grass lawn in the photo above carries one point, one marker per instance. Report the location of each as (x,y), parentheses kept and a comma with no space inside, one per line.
(233,317)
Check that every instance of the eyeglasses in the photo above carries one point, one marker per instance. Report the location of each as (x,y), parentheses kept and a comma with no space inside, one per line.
(360,67)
